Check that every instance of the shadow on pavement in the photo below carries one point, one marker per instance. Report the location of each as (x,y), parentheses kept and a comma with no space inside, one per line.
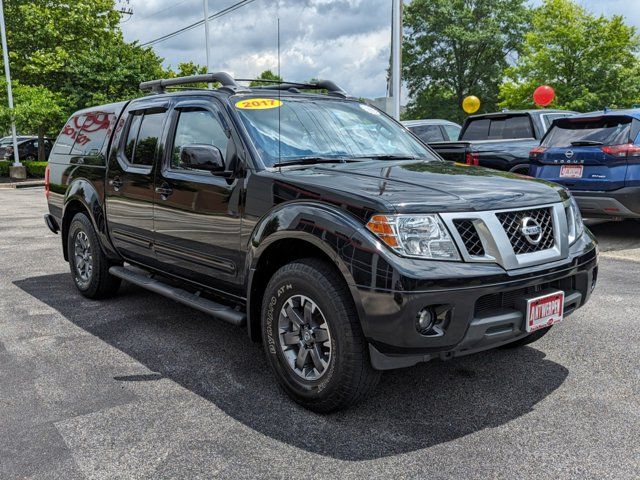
(617,236)
(411,409)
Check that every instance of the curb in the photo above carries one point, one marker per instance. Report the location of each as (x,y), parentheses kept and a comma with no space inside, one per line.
(35,183)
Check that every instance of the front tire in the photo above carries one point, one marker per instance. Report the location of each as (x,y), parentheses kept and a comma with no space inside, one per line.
(89,265)
(313,339)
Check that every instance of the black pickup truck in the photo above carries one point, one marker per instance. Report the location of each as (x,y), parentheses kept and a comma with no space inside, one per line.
(318,223)
(500,140)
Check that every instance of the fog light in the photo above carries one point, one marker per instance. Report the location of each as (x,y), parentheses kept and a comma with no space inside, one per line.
(425,320)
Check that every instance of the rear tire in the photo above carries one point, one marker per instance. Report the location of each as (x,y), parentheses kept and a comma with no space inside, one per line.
(532,337)
(313,339)
(89,265)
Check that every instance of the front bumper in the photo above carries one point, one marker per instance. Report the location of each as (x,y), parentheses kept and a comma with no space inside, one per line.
(622,203)
(480,312)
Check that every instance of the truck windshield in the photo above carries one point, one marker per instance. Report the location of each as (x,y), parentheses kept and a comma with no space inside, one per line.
(288,130)
(597,131)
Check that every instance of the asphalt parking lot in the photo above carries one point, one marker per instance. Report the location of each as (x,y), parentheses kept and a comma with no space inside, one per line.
(141,387)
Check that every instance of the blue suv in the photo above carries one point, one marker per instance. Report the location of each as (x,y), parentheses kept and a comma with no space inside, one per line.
(597,157)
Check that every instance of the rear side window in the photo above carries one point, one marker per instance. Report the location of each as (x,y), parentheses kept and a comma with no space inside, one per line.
(453,132)
(93,134)
(499,128)
(68,136)
(428,133)
(143,137)
(599,131)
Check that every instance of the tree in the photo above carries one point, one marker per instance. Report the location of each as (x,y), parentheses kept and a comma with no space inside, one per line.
(591,61)
(187,69)
(37,110)
(76,49)
(267,76)
(455,48)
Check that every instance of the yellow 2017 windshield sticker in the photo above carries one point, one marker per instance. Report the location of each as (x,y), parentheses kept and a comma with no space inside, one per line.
(258,104)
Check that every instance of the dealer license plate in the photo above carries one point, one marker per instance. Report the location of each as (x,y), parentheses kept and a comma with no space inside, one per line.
(571,171)
(544,311)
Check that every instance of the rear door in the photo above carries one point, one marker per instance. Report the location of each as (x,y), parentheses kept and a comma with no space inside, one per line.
(130,189)
(587,153)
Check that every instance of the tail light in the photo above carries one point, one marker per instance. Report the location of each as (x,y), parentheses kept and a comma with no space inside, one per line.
(537,152)
(626,150)
(47,188)
(473,158)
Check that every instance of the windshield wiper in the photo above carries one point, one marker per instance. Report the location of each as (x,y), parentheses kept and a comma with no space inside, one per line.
(388,157)
(311,161)
(585,143)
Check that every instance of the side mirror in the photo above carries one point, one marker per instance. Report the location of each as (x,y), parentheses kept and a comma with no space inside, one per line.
(202,157)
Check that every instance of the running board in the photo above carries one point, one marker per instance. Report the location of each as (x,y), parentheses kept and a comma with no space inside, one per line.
(214,309)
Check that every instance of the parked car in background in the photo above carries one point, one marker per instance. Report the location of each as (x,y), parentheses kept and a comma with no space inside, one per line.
(434,130)
(597,157)
(27,148)
(500,140)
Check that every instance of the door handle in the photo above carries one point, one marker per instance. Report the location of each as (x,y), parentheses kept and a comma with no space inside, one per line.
(164,191)
(116,183)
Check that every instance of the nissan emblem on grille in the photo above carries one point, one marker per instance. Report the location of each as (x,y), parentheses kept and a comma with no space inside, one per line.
(531,230)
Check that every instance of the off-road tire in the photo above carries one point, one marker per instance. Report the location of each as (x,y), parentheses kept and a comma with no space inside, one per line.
(101,283)
(349,376)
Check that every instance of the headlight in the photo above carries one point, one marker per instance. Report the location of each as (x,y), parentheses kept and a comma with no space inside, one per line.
(574,221)
(419,236)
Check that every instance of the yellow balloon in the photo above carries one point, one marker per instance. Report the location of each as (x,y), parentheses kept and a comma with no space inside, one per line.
(471,104)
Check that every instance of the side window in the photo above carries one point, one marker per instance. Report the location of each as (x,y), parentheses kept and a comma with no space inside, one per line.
(197,127)
(132,135)
(93,134)
(148,138)
(428,133)
(67,137)
(453,132)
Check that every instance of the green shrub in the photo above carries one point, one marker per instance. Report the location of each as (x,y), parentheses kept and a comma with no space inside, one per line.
(4,169)
(35,169)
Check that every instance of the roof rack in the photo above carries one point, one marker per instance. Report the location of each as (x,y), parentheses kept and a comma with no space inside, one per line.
(227,81)
(331,87)
(230,84)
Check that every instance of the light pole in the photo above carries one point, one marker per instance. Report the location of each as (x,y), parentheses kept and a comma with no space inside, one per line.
(7,71)
(396,58)
(205,4)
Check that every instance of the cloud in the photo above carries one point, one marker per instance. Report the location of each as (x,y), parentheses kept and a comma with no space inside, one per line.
(347,41)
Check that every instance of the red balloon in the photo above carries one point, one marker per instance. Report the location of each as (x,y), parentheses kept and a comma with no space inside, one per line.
(544,95)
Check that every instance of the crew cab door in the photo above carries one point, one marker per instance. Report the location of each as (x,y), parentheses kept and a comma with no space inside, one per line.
(129,190)
(197,217)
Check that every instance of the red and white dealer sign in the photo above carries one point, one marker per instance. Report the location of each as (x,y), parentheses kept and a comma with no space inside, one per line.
(544,311)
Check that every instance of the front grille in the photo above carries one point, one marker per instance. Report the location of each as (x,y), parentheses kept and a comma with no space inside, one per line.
(512,223)
(470,237)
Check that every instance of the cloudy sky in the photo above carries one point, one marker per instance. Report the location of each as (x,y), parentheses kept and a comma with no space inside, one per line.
(344,40)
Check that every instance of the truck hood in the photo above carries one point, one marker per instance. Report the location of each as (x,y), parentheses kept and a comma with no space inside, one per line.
(422,186)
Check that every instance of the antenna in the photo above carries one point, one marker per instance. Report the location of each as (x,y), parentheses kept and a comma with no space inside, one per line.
(279,96)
